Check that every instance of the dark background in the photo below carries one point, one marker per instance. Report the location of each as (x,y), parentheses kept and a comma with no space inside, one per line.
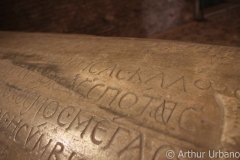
(165,19)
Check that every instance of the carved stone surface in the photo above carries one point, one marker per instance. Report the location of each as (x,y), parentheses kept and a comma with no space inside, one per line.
(3,151)
(73,97)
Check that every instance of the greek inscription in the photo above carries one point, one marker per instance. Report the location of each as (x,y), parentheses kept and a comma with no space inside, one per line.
(137,75)
(99,127)
(110,95)
(58,149)
(31,135)
(14,123)
(136,144)
(97,86)
(118,75)
(50,110)
(41,148)
(110,69)
(164,111)
(65,115)
(85,123)
(115,136)
(202,84)
(20,132)
(180,81)
(33,141)
(28,106)
(155,77)
(5,119)
(150,100)
(128,100)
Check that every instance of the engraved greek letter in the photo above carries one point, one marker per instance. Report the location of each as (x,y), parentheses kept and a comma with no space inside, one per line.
(48,111)
(136,143)
(25,108)
(164,111)
(114,136)
(136,74)
(109,69)
(94,87)
(24,126)
(58,149)
(181,80)
(202,84)
(134,98)
(66,113)
(39,147)
(96,128)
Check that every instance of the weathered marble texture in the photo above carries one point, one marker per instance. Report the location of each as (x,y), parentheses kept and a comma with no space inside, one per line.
(72,97)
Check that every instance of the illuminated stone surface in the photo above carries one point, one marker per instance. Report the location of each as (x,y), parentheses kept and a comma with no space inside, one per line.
(72,97)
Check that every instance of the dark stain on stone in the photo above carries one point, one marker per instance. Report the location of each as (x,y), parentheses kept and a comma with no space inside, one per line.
(51,72)
(13,86)
(48,70)
(42,68)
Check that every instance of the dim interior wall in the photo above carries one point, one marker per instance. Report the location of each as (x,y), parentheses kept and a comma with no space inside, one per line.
(159,15)
(137,18)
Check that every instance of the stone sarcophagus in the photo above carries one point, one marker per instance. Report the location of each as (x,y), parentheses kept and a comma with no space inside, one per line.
(76,97)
